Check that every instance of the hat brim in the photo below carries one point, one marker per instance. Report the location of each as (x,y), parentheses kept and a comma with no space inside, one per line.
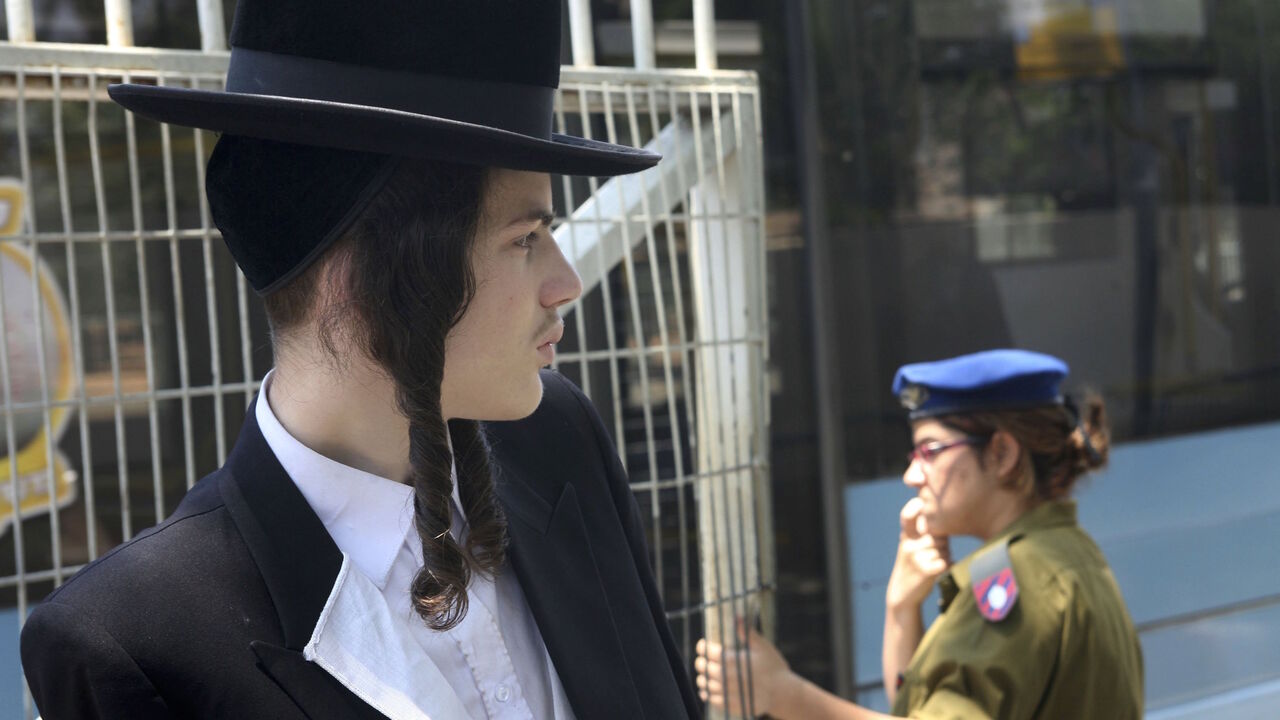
(378,130)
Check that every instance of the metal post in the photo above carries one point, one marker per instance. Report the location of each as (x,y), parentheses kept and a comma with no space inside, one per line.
(718,246)
(804,95)
(1268,121)
(119,23)
(584,51)
(21,26)
(213,29)
(704,34)
(642,34)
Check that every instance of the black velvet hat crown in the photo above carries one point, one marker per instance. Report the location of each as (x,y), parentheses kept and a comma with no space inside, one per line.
(469,81)
(323,95)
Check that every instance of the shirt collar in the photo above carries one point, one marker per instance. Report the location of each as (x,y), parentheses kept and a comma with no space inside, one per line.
(1051,514)
(368,516)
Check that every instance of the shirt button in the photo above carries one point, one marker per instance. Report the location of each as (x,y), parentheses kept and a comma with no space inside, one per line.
(502,694)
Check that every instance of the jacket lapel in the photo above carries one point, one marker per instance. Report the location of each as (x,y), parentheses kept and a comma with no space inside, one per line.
(328,615)
(551,553)
(319,695)
(294,553)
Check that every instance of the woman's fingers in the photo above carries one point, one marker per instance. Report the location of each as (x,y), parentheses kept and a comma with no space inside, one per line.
(929,553)
(911,516)
(709,668)
(710,650)
(716,700)
(922,557)
(931,562)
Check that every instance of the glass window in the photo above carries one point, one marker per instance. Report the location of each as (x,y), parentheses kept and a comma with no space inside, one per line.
(1091,179)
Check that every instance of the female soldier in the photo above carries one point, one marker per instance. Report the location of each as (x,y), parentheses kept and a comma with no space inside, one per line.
(1032,624)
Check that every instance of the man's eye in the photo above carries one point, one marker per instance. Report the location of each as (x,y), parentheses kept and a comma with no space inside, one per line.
(528,240)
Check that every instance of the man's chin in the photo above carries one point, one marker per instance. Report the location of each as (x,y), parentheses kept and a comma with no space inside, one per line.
(534,400)
(518,405)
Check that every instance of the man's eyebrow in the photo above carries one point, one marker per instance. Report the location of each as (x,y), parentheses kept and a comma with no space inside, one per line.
(540,215)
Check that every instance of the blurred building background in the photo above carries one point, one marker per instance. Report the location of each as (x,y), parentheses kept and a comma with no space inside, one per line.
(1096,179)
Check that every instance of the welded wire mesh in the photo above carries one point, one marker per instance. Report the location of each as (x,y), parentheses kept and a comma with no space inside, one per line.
(658,367)
(149,345)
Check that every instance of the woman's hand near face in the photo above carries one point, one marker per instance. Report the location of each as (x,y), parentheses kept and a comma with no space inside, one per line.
(755,672)
(922,558)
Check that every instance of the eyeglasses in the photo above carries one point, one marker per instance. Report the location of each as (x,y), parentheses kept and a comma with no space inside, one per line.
(929,451)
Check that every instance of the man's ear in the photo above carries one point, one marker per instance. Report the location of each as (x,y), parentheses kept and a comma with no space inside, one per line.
(1004,452)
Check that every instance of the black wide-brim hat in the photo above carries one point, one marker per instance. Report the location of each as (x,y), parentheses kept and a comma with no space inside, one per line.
(323,97)
(470,81)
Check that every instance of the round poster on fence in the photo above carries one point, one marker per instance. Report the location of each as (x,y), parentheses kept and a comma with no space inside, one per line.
(36,379)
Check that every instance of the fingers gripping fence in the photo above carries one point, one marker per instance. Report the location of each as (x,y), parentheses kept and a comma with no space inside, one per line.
(131,345)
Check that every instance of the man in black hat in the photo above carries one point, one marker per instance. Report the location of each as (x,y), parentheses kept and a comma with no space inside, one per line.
(370,549)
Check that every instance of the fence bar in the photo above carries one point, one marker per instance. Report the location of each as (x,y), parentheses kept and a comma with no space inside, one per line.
(606,294)
(764,416)
(109,297)
(77,337)
(669,388)
(578,308)
(642,34)
(119,23)
(720,273)
(211,302)
(22,29)
(638,335)
(580,35)
(179,301)
(704,34)
(673,264)
(29,215)
(213,29)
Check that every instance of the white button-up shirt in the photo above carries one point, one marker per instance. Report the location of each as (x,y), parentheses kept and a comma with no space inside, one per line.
(494,660)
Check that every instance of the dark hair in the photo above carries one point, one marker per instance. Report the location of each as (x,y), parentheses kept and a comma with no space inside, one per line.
(1057,447)
(405,278)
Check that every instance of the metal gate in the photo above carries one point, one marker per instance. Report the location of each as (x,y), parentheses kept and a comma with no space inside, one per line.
(130,345)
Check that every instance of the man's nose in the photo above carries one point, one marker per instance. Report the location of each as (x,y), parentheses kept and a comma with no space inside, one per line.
(562,284)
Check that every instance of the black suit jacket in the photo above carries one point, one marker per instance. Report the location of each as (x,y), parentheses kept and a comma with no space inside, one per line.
(206,614)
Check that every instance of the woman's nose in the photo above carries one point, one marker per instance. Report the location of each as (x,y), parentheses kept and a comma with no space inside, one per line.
(914,477)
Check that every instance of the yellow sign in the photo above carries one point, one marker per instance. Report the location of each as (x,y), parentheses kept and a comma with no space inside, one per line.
(1071,40)
(34,474)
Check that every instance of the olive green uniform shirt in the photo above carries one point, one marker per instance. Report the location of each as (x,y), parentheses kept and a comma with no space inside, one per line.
(1067,648)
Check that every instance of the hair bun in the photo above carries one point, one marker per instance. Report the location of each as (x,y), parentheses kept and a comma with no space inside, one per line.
(1091,437)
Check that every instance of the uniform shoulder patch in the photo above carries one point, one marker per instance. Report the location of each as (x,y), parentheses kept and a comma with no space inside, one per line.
(995,588)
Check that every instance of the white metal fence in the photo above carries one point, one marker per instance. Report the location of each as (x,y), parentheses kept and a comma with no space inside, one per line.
(130,344)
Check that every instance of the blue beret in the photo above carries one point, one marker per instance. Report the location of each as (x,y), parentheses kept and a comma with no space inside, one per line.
(989,380)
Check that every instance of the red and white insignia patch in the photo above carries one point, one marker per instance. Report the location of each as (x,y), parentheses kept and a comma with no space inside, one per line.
(996,594)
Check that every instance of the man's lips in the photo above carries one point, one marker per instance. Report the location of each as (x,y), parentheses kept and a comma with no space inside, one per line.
(554,336)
